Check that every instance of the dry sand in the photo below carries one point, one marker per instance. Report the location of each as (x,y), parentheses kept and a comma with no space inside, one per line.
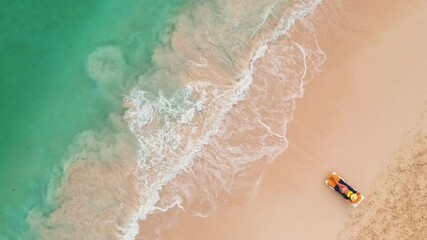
(397,204)
(352,117)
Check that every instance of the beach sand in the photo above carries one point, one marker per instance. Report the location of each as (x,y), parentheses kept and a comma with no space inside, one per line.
(352,119)
(398,209)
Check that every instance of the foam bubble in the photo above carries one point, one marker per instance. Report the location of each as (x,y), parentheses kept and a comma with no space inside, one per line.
(200,148)
(216,156)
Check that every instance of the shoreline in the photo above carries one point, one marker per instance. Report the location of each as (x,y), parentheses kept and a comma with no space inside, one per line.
(241,90)
(360,105)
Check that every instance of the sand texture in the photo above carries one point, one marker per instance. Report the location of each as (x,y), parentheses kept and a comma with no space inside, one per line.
(352,117)
(396,207)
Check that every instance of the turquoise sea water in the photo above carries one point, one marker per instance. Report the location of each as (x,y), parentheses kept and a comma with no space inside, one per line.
(47,97)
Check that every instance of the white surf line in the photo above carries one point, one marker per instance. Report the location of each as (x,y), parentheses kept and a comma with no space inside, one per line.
(270,131)
(240,91)
(304,55)
(166,208)
(267,11)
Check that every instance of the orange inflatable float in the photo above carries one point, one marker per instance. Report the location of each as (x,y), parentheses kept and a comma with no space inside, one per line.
(336,183)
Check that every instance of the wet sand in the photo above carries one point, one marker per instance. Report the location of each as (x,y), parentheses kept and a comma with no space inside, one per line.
(352,117)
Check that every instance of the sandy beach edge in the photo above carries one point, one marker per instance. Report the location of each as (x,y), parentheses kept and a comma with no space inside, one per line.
(351,118)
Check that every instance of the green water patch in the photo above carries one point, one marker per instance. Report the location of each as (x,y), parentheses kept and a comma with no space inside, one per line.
(47,97)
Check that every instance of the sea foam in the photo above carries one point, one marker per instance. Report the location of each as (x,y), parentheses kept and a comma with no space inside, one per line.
(180,133)
(221,92)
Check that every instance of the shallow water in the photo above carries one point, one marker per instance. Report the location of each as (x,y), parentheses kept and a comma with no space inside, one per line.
(48,97)
(141,108)
(246,99)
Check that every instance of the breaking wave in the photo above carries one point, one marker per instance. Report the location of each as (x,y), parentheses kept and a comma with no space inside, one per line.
(220,94)
(203,148)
